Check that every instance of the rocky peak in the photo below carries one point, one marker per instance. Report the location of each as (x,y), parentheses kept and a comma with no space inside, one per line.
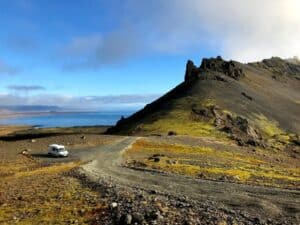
(191,70)
(294,60)
(229,68)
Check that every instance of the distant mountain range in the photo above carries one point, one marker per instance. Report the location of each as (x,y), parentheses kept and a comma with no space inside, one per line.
(30,108)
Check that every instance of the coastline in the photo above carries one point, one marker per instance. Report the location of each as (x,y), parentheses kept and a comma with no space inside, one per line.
(8,114)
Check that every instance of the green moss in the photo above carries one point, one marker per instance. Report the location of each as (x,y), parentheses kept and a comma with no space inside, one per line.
(268,127)
(48,197)
(214,163)
(180,122)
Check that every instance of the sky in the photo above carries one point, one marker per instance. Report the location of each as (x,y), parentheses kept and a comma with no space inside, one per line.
(122,54)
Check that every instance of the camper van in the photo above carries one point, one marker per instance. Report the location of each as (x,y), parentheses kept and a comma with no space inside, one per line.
(57,150)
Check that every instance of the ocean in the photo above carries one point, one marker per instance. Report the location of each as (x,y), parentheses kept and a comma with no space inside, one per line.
(67,119)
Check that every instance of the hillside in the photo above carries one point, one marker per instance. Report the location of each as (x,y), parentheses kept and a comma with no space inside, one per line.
(254,104)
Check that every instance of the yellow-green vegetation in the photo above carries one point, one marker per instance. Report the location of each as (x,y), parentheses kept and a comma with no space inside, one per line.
(268,127)
(212,163)
(31,194)
(271,131)
(208,102)
(180,122)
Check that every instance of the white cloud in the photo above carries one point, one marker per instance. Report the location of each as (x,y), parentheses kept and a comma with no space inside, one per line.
(83,102)
(242,30)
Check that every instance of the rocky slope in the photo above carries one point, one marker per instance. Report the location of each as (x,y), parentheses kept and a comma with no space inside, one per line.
(255,104)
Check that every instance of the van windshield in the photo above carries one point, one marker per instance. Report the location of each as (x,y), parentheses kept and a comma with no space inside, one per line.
(60,149)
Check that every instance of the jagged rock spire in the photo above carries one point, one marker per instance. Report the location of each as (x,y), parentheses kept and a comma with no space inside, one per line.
(190,70)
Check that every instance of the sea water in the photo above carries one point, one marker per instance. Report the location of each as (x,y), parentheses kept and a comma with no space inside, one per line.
(67,119)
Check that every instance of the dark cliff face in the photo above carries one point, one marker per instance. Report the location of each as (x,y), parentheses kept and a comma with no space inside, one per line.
(214,65)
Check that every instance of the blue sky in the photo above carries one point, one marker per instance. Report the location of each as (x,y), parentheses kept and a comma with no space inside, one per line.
(96,54)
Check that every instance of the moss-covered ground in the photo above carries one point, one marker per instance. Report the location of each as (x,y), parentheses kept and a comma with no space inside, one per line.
(256,166)
(33,193)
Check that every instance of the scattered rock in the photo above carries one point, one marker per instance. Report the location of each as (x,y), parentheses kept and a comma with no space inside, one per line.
(128,219)
(114,205)
(172,133)
(156,159)
(238,127)
(171,161)
(32,140)
(296,140)
(125,219)
(25,152)
(82,211)
(247,96)
(137,218)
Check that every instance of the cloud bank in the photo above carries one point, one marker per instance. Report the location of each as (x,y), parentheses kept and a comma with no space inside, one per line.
(109,102)
(241,30)
(26,88)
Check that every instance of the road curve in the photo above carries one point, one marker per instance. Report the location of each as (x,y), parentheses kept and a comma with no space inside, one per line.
(273,202)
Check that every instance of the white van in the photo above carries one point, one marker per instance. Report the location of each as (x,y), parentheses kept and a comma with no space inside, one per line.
(57,150)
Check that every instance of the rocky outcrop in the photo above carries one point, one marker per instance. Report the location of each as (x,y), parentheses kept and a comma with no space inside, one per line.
(229,68)
(237,127)
(191,70)
(213,68)
(280,67)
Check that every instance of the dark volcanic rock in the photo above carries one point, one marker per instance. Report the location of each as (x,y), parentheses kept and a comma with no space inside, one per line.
(172,133)
(229,68)
(191,71)
(217,65)
(280,67)
(238,127)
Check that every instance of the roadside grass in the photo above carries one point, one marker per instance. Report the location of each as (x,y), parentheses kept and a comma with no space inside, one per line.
(211,163)
(31,194)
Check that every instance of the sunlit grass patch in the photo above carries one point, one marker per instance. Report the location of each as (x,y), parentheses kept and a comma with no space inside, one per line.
(272,132)
(268,127)
(180,122)
(211,163)
(46,195)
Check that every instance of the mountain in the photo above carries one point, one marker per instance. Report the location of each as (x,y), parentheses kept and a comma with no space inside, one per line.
(29,108)
(254,104)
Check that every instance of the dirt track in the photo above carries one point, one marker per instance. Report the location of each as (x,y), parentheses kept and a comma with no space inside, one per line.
(277,204)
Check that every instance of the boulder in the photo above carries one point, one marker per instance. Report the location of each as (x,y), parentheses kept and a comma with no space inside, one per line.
(172,133)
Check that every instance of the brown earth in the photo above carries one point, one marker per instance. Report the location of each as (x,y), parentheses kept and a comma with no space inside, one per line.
(96,186)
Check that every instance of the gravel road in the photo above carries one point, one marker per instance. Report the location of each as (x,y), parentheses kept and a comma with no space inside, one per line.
(255,201)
